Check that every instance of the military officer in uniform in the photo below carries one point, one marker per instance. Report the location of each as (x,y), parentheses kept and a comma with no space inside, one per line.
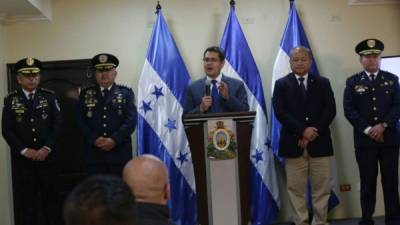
(107,119)
(30,124)
(372,105)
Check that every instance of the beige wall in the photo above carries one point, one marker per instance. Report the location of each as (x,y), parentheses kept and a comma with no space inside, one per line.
(5,183)
(82,28)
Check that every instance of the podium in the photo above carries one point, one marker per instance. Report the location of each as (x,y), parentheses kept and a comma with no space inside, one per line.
(220,147)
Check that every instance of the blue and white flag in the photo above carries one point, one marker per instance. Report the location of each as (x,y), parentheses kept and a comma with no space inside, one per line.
(162,86)
(293,36)
(240,64)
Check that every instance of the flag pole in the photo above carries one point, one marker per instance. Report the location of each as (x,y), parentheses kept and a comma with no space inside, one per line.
(232,3)
(158,7)
(291,3)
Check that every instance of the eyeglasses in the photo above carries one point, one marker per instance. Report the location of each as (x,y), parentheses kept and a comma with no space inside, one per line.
(211,59)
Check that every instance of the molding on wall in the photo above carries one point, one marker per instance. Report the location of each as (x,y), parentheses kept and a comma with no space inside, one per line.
(9,20)
(372,2)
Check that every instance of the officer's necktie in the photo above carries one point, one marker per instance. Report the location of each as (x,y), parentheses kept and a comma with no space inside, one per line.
(105,93)
(30,100)
(214,95)
(30,97)
(302,87)
(372,76)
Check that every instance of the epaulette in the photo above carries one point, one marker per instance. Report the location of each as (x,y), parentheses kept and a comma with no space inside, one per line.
(11,93)
(89,87)
(47,90)
(388,73)
(354,76)
(123,87)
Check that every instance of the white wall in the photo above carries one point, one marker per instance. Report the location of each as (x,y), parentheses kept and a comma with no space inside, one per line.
(83,28)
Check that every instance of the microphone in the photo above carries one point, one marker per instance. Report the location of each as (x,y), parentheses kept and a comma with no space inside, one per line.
(207,87)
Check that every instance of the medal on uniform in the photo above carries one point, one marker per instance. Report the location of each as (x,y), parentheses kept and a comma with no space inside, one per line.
(120,112)
(44,115)
(89,114)
(19,111)
(18,119)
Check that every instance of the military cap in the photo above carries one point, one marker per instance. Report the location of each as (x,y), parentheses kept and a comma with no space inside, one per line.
(104,62)
(28,66)
(369,46)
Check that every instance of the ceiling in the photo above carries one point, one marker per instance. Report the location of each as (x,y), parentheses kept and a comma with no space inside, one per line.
(18,10)
(17,7)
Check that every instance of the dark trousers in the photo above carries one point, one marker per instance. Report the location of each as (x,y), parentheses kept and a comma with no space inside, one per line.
(34,188)
(368,160)
(105,169)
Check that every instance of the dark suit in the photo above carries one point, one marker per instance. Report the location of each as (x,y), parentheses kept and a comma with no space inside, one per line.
(237,101)
(152,214)
(111,116)
(367,103)
(32,124)
(296,114)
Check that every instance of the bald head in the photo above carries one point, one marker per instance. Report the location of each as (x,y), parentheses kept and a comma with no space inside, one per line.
(148,178)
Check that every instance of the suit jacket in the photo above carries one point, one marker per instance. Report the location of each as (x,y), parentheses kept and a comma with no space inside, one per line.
(31,124)
(237,101)
(113,116)
(152,214)
(367,103)
(296,114)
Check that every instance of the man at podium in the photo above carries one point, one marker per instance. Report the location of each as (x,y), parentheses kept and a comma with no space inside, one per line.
(215,92)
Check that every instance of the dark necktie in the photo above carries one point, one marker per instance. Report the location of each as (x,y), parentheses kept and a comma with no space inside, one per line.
(30,97)
(372,76)
(302,87)
(105,93)
(30,100)
(214,95)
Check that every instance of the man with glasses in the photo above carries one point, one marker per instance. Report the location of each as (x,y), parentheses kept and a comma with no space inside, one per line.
(215,92)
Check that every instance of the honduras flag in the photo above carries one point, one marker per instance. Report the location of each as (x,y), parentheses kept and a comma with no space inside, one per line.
(293,36)
(161,132)
(239,64)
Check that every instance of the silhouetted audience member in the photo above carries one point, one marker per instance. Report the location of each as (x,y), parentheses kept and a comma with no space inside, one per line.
(100,200)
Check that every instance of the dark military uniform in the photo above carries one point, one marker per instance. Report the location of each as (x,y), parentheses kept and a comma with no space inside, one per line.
(32,124)
(369,101)
(107,115)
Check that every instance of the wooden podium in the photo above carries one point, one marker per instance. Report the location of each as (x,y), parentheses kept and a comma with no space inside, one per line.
(222,186)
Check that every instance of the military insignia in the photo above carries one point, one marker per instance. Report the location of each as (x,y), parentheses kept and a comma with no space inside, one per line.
(221,142)
(44,115)
(103,58)
(89,114)
(20,111)
(371,43)
(18,107)
(360,89)
(90,100)
(386,83)
(30,61)
(120,112)
(43,103)
(119,98)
